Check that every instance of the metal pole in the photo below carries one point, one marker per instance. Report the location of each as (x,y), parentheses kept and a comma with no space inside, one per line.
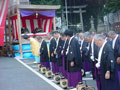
(66,12)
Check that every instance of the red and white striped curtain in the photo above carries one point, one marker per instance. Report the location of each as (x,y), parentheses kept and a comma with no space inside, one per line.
(14,27)
(31,22)
(3,13)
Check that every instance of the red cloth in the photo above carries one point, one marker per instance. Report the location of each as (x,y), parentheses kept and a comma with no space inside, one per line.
(43,22)
(3,13)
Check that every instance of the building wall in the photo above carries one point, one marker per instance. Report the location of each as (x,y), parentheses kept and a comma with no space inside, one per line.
(117,17)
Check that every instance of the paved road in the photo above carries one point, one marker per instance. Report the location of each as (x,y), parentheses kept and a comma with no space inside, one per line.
(14,76)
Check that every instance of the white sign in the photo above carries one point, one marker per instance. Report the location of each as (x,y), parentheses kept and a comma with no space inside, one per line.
(58,22)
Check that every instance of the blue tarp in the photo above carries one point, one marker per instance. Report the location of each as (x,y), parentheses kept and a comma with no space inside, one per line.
(24,47)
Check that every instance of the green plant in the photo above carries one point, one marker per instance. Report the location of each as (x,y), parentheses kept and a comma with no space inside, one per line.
(112,6)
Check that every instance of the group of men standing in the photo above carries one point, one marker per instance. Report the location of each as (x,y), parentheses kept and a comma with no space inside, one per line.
(102,52)
(65,56)
(98,53)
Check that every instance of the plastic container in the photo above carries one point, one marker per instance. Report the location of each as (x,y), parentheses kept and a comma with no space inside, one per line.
(25,55)
(24,47)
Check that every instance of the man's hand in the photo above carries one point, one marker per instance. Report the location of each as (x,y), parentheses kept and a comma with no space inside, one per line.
(81,52)
(107,75)
(72,64)
(61,52)
(118,60)
(55,52)
(52,54)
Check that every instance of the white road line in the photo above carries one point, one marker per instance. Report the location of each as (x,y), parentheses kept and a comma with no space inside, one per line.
(87,78)
(29,63)
(52,80)
(40,75)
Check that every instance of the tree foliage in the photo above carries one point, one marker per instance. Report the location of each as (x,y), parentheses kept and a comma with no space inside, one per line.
(94,8)
(46,2)
(112,6)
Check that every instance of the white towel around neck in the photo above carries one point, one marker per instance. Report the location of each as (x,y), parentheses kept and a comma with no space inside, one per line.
(64,43)
(81,44)
(92,47)
(106,39)
(57,41)
(41,43)
(114,41)
(51,39)
(100,54)
(69,45)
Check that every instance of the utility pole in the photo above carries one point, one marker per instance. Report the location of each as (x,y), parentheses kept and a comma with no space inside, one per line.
(66,12)
(81,19)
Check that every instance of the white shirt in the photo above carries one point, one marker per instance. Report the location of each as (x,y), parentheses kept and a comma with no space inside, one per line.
(100,54)
(114,41)
(69,45)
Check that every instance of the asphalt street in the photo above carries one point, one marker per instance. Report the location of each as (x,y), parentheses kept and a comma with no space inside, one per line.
(15,76)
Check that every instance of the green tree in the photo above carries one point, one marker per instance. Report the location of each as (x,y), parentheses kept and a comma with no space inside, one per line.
(112,6)
(94,8)
(46,2)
